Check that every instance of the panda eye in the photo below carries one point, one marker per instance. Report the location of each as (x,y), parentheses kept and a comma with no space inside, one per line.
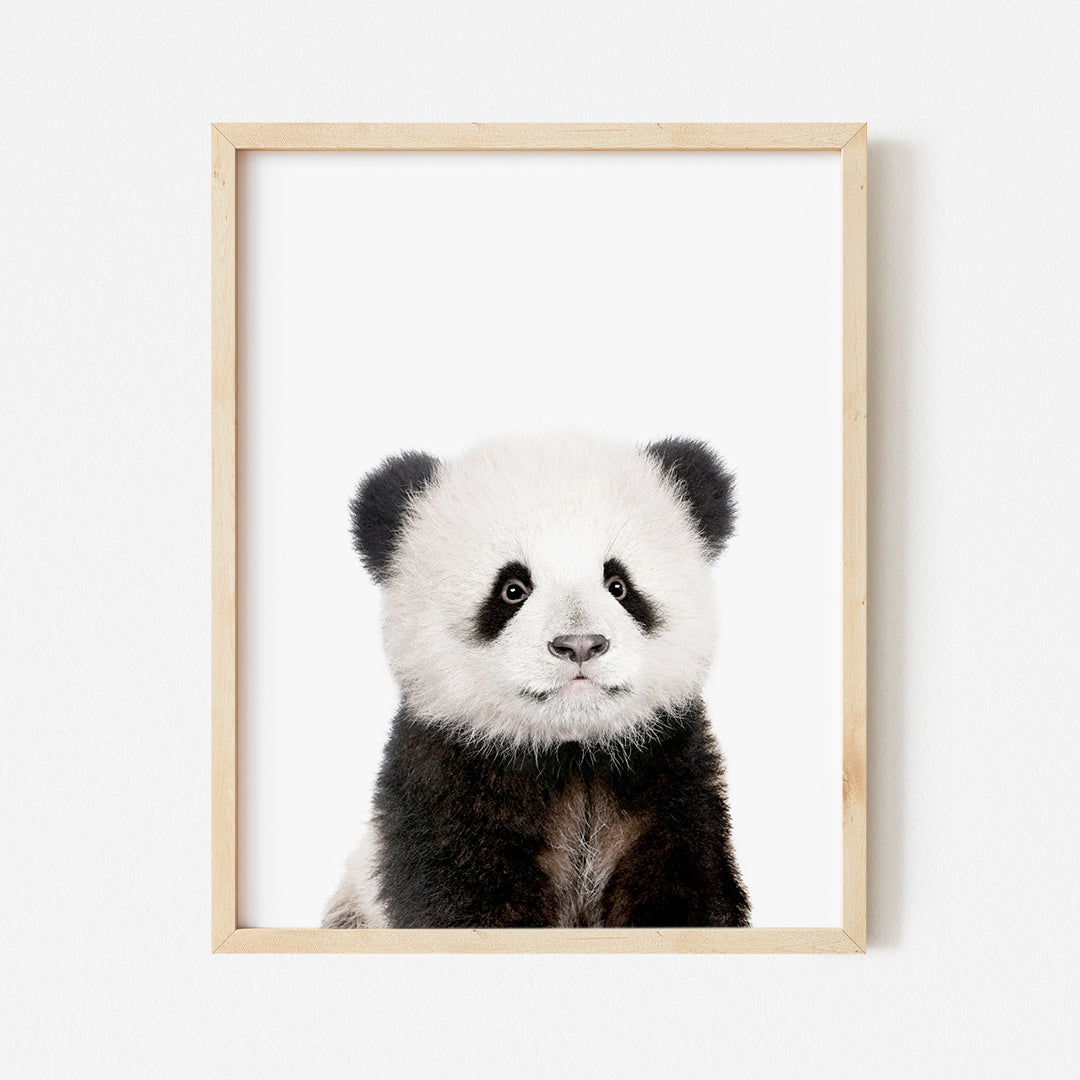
(515,591)
(617,587)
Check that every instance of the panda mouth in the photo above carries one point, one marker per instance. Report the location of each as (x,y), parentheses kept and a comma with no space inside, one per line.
(545,695)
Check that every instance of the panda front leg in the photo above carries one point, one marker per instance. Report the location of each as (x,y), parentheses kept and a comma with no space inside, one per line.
(669,882)
(472,881)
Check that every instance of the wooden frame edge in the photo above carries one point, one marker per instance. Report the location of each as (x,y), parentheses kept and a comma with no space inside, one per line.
(853,166)
(226,141)
(690,940)
(688,136)
(223,537)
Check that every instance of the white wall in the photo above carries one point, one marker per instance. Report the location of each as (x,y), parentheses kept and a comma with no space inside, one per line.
(104,526)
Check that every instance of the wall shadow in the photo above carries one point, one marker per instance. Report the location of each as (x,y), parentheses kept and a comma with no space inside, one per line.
(894,241)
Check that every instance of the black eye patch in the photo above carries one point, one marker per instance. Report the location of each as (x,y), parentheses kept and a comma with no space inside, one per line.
(638,606)
(494,613)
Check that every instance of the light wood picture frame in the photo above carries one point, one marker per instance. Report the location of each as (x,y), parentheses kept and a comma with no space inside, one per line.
(849,140)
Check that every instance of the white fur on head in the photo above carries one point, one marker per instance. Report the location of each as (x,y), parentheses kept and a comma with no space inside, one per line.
(562,505)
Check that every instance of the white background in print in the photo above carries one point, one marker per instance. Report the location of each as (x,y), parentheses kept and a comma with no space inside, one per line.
(428,300)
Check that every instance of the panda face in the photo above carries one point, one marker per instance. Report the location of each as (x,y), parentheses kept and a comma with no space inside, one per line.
(543,590)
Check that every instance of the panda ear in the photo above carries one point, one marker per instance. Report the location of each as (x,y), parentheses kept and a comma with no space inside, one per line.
(381,505)
(704,485)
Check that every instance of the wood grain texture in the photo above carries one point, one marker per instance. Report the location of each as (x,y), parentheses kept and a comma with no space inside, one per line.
(853,169)
(223,536)
(538,136)
(226,140)
(780,940)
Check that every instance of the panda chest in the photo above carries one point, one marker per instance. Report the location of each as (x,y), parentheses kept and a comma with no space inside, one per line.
(586,834)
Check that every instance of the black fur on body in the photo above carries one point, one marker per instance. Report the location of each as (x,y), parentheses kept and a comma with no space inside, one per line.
(631,835)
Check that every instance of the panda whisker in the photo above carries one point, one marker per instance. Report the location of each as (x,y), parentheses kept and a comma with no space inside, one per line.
(536,695)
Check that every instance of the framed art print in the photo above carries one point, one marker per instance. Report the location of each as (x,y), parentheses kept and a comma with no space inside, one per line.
(539,537)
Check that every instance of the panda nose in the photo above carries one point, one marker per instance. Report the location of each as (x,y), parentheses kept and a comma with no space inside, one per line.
(578,647)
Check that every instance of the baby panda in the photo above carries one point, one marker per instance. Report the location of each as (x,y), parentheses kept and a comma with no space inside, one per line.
(549,617)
